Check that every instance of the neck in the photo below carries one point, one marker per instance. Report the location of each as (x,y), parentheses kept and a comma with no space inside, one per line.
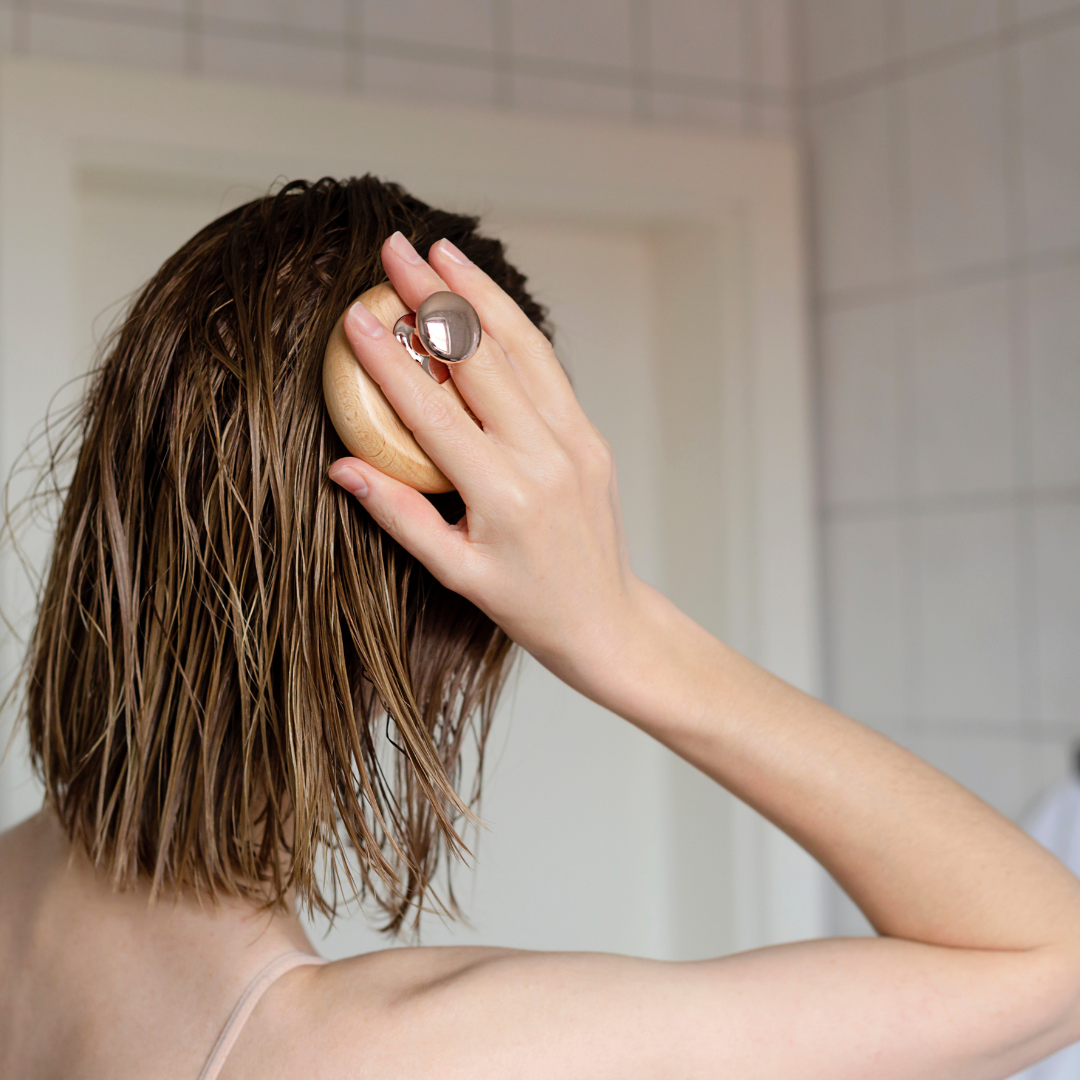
(92,971)
(175,929)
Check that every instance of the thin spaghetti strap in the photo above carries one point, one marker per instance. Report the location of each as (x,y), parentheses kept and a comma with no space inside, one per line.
(246,1006)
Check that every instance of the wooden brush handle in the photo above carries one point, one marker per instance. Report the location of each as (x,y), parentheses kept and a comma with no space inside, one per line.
(363,418)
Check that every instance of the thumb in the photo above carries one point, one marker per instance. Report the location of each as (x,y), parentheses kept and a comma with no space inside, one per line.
(407,516)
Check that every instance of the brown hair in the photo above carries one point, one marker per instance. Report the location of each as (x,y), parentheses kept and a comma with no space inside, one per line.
(234,672)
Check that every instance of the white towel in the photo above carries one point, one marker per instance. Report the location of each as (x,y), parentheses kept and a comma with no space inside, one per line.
(1056,825)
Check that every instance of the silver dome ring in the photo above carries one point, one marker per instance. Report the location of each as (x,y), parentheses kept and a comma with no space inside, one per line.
(445,325)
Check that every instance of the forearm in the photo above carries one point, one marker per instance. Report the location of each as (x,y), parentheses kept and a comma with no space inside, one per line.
(923,857)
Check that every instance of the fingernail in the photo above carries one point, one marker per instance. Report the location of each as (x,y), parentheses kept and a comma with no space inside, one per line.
(403,249)
(453,253)
(350,478)
(365,321)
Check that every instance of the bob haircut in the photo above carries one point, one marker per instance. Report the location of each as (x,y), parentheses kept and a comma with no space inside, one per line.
(235,676)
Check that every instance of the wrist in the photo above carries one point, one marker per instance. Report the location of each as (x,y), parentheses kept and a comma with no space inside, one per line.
(644,662)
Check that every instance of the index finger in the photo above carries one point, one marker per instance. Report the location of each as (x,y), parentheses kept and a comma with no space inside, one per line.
(487,381)
(439,424)
(526,347)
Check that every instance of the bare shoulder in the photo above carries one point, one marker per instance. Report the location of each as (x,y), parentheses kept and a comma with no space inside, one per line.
(402,980)
(476,1012)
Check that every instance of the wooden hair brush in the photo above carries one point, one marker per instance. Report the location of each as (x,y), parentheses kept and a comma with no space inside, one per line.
(364,420)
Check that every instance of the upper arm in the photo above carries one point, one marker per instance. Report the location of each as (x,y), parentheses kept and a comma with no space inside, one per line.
(828,1009)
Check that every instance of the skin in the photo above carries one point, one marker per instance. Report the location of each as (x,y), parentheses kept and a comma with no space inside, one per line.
(975,974)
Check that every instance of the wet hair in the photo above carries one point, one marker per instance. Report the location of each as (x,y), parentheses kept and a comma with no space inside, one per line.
(237,683)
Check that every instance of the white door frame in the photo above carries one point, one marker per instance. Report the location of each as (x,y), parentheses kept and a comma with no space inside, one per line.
(726,216)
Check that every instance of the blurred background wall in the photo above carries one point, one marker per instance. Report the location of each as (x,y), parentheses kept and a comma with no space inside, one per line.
(942,148)
(724,64)
(943,139)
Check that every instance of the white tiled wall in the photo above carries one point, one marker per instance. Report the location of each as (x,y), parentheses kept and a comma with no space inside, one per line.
(955,164)
(724,65)
(1053,313)
(856,230)
(839,38)
(943,139)
(962,431)
(1057,576)
(932,24)
(1050,164)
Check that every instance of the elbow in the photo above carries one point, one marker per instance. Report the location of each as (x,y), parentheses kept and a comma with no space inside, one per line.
(1056,994)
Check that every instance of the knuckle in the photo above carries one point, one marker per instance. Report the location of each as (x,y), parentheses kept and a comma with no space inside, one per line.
(386,519)
(387,516)
(520,496)
(517,499)
(556,469)
(435,410)
(485,369)
(538,349)
(487,357)
(598,458)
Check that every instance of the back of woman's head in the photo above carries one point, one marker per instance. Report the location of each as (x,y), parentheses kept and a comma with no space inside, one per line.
(234,671)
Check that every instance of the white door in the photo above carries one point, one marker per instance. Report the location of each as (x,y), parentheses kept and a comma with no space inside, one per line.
(597,838)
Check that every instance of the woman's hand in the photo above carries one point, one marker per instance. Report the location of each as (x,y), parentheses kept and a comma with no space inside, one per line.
(541,547)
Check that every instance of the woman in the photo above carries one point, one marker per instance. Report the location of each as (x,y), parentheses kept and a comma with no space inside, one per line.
(220,636)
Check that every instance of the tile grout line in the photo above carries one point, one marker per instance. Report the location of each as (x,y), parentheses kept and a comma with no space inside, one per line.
(20,31)
(972,502)
(400,48)
(193,37)
(985,273)
(502,37)
(1028,638)
(640,15)
(801,124)
(752,65)
(907,427)
(944,56)
(196,28)
(355,56)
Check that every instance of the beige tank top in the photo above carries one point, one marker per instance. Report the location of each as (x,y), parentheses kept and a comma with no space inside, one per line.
(246,1006)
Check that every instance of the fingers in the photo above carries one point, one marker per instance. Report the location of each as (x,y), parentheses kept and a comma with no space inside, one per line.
(487,382)
(507,321)
(525,346)
(408,517)
(441,426)
(413,278)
